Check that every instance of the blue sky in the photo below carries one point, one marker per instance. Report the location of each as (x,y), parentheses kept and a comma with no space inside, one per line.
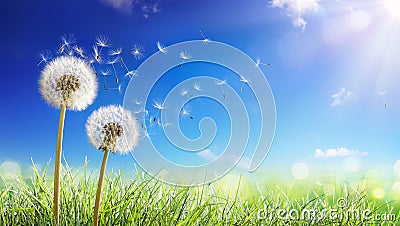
(329,62)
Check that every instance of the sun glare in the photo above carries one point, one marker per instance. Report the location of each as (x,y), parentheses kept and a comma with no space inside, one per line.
(393,8)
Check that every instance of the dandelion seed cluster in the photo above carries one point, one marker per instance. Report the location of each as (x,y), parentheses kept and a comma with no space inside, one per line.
(112,128)
(68,81)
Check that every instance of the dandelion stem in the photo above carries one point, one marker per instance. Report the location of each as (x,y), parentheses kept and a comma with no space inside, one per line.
(56,207)
(99,185)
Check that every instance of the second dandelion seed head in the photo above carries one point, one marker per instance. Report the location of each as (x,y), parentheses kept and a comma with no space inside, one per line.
(112,128)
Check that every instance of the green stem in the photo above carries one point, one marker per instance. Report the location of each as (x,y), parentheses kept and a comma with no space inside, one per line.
(99,185)
(56,207)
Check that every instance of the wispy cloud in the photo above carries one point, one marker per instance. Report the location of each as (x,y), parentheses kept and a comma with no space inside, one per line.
(337,152)
(127,6)
(207,154)
(297,9)
(342,96)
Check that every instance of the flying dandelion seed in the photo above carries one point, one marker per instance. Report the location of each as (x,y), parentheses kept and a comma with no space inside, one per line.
(162,48)
(67,82)
(164,125)
(66,41)
(258,63)
(118,88)
(185,112)
(138,111)
(123,65)
(115,52)
(184,56)
(244,81)
(383,98)
(45,56)
(137,102)
(80,51)
(137,51)
(111,129)
(105,73)
(131,74)
(158,105)
(184,92)
(96,54)
(102,41)
(205,40)
(196,86)
(112,62)
(221,84)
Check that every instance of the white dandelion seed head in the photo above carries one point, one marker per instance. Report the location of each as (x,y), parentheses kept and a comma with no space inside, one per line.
(68,81)
(115,123)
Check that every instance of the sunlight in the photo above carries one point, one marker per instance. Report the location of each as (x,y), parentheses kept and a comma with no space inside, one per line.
(393,8)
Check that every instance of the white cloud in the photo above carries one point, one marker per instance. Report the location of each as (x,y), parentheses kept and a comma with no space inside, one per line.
(126,6)
(297,9)
(10,170)
(341,97)
(207,154)
(337,152)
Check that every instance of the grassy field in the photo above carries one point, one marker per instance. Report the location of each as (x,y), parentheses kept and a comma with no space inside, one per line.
(145,201)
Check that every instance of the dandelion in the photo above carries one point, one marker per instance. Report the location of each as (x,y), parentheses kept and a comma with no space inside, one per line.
(111,129)
(162,48)
(244,81)
(66,82)
(137,51)
(45,56)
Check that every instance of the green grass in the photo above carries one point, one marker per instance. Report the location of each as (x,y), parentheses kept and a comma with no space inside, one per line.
(146,201)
